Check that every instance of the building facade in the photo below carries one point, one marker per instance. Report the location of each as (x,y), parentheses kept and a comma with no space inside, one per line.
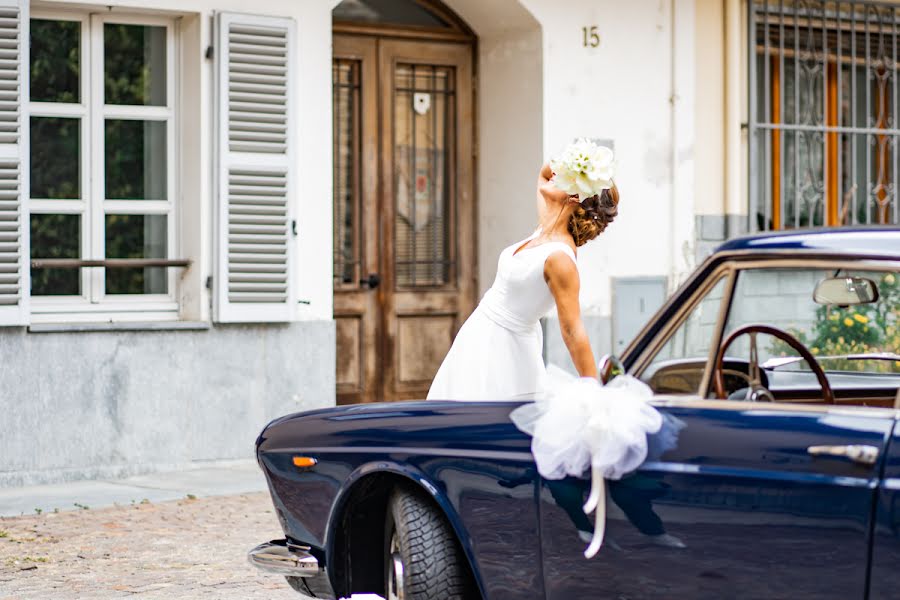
(213,213)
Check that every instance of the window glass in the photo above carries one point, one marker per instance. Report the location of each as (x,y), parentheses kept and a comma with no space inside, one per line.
(134,64)
(859,338)
(55,158)
(55,236)
(135,159)
(388,12)
(55,56)
(678,366)
(136,236)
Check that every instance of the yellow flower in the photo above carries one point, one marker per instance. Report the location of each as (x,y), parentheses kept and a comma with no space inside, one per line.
(848,322)
(889,279)
(815,350)
(840,340)
(861,318)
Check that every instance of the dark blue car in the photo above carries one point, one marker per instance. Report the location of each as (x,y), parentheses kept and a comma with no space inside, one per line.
(776,367)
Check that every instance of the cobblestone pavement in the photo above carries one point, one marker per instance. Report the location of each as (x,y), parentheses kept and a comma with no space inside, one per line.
(190,548)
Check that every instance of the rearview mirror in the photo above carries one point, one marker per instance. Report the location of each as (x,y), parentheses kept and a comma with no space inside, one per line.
(609,368)
(845,291)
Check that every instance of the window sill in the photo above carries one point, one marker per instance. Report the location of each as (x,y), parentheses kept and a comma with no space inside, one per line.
(121,326)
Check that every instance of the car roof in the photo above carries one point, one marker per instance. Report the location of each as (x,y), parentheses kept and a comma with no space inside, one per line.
(863,241)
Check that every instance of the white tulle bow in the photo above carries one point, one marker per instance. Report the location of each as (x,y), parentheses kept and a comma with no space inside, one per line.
(583,425)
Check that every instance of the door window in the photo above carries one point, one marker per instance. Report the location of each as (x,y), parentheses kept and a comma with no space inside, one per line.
(858,338)
(679,365)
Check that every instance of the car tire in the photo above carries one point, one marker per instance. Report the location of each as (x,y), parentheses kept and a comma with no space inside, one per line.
(316,587)
(423,559)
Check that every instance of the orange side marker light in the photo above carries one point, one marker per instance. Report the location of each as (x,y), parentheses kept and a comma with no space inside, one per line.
(304,462)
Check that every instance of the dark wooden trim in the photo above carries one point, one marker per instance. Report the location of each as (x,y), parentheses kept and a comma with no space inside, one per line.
(402,32)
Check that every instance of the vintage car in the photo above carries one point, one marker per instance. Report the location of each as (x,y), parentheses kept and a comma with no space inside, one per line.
(776,368)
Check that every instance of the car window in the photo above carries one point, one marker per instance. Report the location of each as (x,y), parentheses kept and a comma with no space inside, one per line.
(860,338)
(677,368)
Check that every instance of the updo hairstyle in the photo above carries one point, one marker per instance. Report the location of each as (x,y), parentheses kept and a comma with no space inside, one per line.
(593,214)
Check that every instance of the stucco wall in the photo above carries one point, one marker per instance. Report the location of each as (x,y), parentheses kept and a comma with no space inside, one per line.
(115,403)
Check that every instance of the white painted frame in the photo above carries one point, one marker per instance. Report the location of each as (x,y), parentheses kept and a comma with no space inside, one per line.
(94,304)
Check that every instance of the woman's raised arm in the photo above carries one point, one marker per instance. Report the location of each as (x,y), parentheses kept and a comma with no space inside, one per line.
(562,278)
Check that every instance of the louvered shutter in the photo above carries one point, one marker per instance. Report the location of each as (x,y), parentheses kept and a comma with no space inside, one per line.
(14,277)
(256,174)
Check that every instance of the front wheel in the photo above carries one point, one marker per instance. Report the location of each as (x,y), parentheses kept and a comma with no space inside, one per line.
(423,560)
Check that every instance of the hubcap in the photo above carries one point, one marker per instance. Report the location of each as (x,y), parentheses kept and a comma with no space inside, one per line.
(395,571)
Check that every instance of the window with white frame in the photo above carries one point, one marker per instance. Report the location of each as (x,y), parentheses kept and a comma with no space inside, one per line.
(102,166)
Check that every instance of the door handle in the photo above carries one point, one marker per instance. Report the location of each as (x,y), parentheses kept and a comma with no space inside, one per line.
(373,281)
(864,455)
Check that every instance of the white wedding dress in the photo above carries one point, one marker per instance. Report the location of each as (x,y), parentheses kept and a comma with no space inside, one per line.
(497,354)
(577,425)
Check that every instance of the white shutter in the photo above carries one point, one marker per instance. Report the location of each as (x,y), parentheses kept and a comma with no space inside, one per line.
(14,274)
(256,174)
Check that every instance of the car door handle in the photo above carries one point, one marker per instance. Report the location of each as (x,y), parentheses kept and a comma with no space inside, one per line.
(864,455)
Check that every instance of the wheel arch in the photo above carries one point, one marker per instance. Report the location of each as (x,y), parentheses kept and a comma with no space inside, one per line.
(349,535)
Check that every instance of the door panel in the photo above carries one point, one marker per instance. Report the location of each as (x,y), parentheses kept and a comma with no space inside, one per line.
(746,511)
(356,256)
(429,207)
(885,580)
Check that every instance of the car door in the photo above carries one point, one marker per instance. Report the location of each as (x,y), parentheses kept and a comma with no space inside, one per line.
(885,578)
(736,500)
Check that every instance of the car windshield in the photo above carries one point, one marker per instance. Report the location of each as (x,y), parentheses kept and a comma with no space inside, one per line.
(859,333)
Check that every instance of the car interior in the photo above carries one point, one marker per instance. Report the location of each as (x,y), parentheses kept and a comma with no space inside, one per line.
(815,334)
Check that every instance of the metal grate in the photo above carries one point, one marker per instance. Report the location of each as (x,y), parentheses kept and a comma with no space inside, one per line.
(424,134)
(257,89)
(823,124)
(347,186)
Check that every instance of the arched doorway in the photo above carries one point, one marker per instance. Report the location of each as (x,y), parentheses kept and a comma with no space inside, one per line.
(404,204)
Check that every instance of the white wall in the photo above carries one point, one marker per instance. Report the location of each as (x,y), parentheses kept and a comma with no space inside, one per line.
(636,88)
(510,131)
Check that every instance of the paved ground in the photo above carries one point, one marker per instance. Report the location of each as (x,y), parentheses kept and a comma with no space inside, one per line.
(183,549)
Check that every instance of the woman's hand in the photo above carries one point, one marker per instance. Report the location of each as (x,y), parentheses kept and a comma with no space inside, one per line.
(561,275)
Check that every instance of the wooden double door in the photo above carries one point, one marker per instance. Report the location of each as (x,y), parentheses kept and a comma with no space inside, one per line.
(404,211)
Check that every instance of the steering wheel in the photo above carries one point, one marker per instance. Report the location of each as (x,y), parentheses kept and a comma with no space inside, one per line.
(756,388)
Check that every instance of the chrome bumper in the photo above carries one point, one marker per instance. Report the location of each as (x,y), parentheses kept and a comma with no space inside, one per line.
(283,558)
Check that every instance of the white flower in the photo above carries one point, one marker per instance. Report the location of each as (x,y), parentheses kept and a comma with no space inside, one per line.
(583,168)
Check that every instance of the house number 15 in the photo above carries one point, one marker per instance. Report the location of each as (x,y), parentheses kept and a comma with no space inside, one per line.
(590,37)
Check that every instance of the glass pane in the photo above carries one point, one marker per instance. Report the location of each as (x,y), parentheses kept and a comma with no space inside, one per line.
(55,236)
(678,367)
(346,171)
(136,236)
(423,134)
(388,12)
(55,61)
(134,64)
(783,298)
(135,160)
(55,158)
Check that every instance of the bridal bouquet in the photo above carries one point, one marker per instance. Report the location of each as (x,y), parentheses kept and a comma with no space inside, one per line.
(583,168)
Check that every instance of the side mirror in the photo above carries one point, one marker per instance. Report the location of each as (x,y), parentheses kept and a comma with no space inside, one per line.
(609,368)
(845,291)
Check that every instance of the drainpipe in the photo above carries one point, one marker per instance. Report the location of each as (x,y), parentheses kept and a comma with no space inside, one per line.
(673,166)
(732,205)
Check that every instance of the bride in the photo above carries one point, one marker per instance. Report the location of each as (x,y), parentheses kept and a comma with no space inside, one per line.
(497,354)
